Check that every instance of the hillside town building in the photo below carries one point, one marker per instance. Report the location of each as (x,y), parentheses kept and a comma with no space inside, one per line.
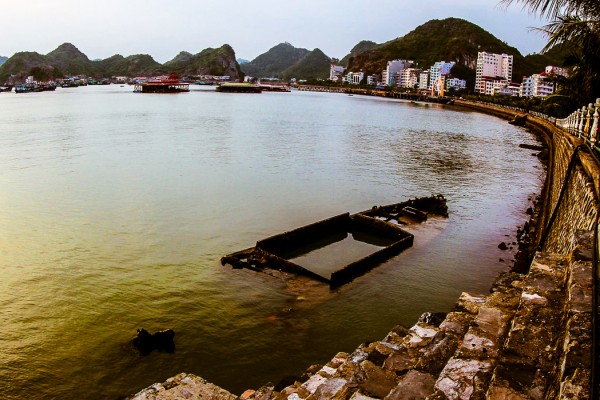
(438,72)
(493,71)
(410,78)
(336,73)
(424,80)
(391,75)
(354,78)
(537,85)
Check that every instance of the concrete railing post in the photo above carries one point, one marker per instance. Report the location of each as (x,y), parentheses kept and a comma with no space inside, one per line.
(594,131)
(581,122)
(588,116)
(576,126)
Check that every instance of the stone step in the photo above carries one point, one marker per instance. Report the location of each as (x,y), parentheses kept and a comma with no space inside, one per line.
(526,365)
(467,373)
(573,371)
(405,363)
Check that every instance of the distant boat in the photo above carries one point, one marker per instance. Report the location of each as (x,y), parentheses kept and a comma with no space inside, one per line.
(162,84)
(238,88)
(28,88)
(275,87)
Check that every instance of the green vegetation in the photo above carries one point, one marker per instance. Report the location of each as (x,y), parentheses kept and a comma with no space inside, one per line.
(70,60)
(361,47)
(209,61)
(556,105)
(315,65)
(275,61)
(575,29)
(67,60)
(450,39)
(134,65)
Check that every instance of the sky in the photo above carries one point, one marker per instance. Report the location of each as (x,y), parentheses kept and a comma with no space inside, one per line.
(101,29)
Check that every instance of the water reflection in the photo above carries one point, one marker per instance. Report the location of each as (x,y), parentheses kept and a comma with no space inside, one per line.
(116,211)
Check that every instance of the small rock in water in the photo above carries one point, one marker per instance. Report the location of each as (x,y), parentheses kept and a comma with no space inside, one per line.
(146,342)
(503,246)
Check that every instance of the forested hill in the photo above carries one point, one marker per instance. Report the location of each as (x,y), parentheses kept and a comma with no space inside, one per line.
(67,60)
(450,39)
(274,61)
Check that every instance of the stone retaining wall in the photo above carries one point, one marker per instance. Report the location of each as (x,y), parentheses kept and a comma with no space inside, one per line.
(530,338)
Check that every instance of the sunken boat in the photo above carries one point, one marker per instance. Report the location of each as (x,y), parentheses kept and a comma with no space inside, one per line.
(377,232)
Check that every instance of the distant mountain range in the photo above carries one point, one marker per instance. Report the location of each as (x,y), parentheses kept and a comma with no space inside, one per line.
(450,39)
(3,60)
(68,60)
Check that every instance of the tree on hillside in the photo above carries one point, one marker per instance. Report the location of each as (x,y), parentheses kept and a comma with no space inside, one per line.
(574,24)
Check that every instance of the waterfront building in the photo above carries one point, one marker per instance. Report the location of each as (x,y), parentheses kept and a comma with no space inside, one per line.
(336,73)
(493,71)
(424,80)
(410,78)
(455,83)
(512,89)
(437,70)
(372,80)
(391,74)
(537,85)
(552,70)
(355,78)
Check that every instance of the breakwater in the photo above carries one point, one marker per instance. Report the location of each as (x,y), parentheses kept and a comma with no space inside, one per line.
(531,337)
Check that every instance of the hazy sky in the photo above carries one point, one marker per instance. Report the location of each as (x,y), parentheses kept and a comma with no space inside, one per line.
(162,29)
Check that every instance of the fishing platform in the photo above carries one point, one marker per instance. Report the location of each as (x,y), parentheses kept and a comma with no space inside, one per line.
(338,249)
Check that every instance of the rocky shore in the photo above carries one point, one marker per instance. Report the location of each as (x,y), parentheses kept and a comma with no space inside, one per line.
(529,338)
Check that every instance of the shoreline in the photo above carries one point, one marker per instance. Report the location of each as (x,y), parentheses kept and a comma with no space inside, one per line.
(526,245)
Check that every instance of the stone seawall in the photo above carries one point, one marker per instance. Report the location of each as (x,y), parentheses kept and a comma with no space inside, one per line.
(529,338)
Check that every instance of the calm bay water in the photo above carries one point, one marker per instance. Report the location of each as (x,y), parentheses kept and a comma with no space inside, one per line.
(115,208)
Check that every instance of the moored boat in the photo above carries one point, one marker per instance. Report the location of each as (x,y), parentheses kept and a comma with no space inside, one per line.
(238,88)
(27,88)
(162,84)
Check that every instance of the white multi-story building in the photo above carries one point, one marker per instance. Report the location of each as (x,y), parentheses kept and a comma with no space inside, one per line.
(372,80)
(493,71)
(537,85)
(354,78)
(439,69)
(336,72)
(551,70)
(512,89)
(424,80)
(410,78)
(394,70)
(455,83)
